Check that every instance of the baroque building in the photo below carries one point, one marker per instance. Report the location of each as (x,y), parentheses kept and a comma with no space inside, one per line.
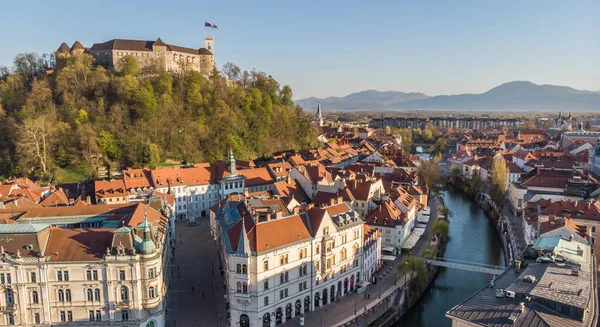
(105,276)
(147,53)
(281,267)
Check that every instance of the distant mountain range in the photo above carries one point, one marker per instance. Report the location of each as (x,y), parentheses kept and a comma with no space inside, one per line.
(518,95)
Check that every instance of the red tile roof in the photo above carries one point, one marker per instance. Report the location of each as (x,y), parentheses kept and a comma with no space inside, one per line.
(387,215)
(79,244)
(56,198)
(137,178)
(176,176)
(109,189)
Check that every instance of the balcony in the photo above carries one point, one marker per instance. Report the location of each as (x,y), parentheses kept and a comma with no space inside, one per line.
(242,297)
(122,304)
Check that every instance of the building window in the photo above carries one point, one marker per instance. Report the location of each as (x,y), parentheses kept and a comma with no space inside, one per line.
(59,276)
(283,259)
(266,300)
(121,274)
(244,269)
(266,284)
(239,287)
(36,318)
(265,265)
(124,294)
(34,297)
(61,296)
(318,249)
(303,253)
(66,275)
(593,229)
(90,294)
(151,292)
(152,272)
(62,316)
(97,294)
(88,275)
(238,268)
(68,295)
(69,315)
(91,315)
(98,315)
(244,288)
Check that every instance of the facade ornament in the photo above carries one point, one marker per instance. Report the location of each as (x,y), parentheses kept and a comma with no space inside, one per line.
(107,251)
(18,253)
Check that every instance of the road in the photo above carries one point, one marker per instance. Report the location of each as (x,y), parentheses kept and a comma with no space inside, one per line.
(196,295)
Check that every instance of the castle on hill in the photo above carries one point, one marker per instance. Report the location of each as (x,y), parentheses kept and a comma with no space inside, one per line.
(147,53)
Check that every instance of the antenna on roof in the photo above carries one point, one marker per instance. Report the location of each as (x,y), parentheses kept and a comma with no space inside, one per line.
(145,216)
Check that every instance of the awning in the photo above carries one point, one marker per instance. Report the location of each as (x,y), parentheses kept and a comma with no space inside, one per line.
(388,257)
(423,219)
(388,248)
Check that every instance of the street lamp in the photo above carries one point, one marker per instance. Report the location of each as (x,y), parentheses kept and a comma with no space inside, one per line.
(355,306)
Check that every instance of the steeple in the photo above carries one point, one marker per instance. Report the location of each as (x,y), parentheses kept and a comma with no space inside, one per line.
(319,116)
(146,246)
(231,163)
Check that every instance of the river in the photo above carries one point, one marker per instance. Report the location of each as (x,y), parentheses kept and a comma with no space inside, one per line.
(472,238)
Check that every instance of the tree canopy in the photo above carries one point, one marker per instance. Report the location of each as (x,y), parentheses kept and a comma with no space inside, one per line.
(79,113)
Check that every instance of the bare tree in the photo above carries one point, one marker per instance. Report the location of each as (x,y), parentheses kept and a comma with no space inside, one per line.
(232,71)
(35,140)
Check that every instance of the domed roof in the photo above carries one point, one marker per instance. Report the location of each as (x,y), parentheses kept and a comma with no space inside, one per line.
(63,48)
(77,46)
(146,245)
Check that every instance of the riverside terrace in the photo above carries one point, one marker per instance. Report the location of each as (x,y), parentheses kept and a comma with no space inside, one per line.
(556,287)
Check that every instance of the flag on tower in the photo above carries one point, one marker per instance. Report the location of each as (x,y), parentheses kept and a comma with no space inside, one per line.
(215,26)
(207,24)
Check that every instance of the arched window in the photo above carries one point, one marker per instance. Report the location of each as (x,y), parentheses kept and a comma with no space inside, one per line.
(34,297)
(305,270)
(244,269)
(244,319)
(151,292)
(61,296)
(300,270)
(281,279)
(97,294)
(287,277)
(90,294)
(238,268)
(124,293)
(174,57)
(10,298)
(355,249)
(68,295)
(245,288)
(239,287)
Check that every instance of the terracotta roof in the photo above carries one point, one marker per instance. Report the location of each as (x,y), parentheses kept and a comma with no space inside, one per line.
(175,176)
(18,204)
(137,178)
(255,176)
(291,189)
(6,190)
(279,232)
(514,169)
(549,178)
(280,169)
(56,198)
(337,209)
(89,210)
(108,189)
(27,193)
(79,244)
(387,214)
(573,209)
(407,200)
(315,173)
(460,155)
(296,160)
(153,216)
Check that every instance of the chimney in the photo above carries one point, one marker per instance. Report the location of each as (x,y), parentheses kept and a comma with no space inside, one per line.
(296,210)
(289,179)
(279,215)
(331,201)
(518,265)
(339,199)
(268,217)
(88,200)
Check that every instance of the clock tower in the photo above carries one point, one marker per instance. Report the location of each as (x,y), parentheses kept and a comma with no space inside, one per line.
(209,44)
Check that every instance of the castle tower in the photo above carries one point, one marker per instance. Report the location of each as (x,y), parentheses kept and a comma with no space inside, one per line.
(209,43)
(319,116)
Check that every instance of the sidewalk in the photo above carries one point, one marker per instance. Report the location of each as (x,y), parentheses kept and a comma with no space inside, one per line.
(350,306)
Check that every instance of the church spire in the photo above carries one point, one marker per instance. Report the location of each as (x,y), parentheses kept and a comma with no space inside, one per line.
(319,115)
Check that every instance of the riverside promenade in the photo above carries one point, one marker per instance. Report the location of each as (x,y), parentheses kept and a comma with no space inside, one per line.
(349,307)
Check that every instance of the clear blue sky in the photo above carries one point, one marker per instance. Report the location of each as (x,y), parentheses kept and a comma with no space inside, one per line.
(324,48)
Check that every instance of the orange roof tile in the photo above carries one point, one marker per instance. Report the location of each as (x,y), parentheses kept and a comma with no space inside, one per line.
(79,244)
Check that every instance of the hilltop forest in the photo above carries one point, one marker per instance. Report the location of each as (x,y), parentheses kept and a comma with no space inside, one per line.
(60,121)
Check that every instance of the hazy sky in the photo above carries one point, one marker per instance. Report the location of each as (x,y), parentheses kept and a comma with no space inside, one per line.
(324,48)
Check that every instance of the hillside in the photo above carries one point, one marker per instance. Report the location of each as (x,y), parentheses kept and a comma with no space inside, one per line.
(518,95)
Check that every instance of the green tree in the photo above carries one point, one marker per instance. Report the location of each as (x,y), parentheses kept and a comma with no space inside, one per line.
(439,146)
(109,145)
(414,270)
(429,174)
(499,180)
(430,251)
(446,212)
(128,65)
(441,228)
